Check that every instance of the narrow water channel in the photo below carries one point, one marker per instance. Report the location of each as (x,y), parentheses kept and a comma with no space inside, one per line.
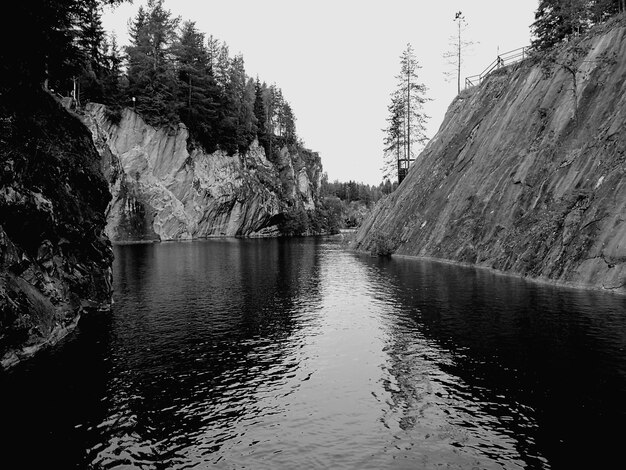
(299,354)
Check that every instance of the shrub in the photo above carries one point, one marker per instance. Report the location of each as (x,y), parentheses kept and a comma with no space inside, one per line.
(382,245)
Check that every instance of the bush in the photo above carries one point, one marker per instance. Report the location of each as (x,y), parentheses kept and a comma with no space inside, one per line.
(295,223)
(382,245)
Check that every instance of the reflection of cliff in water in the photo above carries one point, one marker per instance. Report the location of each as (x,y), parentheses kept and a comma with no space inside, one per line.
(235,314)
(468,337)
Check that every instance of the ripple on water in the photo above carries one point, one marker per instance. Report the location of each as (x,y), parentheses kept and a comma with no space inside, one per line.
(284,354)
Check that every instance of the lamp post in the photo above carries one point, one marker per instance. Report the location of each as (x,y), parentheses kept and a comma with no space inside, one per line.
(134,99)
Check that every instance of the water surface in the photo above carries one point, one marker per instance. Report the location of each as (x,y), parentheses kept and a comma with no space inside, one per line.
(299,354)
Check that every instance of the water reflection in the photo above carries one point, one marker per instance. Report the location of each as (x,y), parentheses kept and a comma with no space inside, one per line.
(209,321)
(287,353)
(527,371)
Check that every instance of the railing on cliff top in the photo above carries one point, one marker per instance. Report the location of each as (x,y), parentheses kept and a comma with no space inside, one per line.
(507,58)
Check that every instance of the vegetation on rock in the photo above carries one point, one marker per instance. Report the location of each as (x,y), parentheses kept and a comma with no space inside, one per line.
(527,172)
(559,20)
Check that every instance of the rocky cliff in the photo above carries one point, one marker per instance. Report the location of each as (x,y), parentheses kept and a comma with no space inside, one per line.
(54,256)
(164,188)
(527,173)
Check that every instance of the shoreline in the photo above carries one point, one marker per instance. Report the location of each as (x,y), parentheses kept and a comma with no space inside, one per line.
(620,291)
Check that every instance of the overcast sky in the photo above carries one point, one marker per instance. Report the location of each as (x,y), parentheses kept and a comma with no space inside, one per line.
(336,60)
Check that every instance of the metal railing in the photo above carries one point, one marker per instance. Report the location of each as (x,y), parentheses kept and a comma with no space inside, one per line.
(504,59)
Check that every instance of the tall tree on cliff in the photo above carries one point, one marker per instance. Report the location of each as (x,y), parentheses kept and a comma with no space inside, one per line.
(413,94)
(221,62)
(290,124)
(151,74)
(112,73)
(198,94)
(557,20)
(269,97)
(458,46)
(43,51)
(91,42)
(394,137)
(407,121)
(260,112)
(237,119)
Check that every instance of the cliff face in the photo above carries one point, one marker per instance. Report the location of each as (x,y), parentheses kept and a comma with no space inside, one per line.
(527,173)
(54,257)
(162,190)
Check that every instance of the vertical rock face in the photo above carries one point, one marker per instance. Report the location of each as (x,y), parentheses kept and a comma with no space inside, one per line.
(527,173)
(163,190)
(54,256)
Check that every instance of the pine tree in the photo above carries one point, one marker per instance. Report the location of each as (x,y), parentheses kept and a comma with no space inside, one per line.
(260,111)
(90,40)
(247,121)
(238,124)
(394,140)
(290,124)
(413,95)
(221,66)
(279,112)
(198,95)
(212,48)
(270,118)
(151,75)
(48,53)
(558,20)
(407,122)
(112,93)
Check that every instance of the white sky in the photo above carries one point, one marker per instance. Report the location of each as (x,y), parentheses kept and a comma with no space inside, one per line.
(336,60)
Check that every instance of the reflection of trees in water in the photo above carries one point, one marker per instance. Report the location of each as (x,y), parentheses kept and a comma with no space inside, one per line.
(532,362)
(204,327)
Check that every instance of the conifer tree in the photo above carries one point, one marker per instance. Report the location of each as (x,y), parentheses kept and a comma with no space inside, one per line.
(198,94)
(407,121)
(48,53)
(270,107)
(260,111)
(290,124)
(279,112)
(412,93)
(394,140)
(221,67)
(112,93)
(557,20)
(213,49)
(90,40)
(151,74)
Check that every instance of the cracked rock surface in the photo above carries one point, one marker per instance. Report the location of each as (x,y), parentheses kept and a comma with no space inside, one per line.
(526,175)
(163,189)
(55,260)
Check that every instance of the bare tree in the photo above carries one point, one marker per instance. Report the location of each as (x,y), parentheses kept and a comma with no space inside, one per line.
(458,46)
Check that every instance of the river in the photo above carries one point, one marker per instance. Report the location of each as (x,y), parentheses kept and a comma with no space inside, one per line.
(272,354)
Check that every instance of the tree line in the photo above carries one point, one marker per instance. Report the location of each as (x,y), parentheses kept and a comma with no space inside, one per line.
(170,73)
(352,191)
(177,74)
(558,20)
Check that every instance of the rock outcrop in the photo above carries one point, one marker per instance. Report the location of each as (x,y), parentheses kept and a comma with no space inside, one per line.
(55,260)
(165,189)
(527,173)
